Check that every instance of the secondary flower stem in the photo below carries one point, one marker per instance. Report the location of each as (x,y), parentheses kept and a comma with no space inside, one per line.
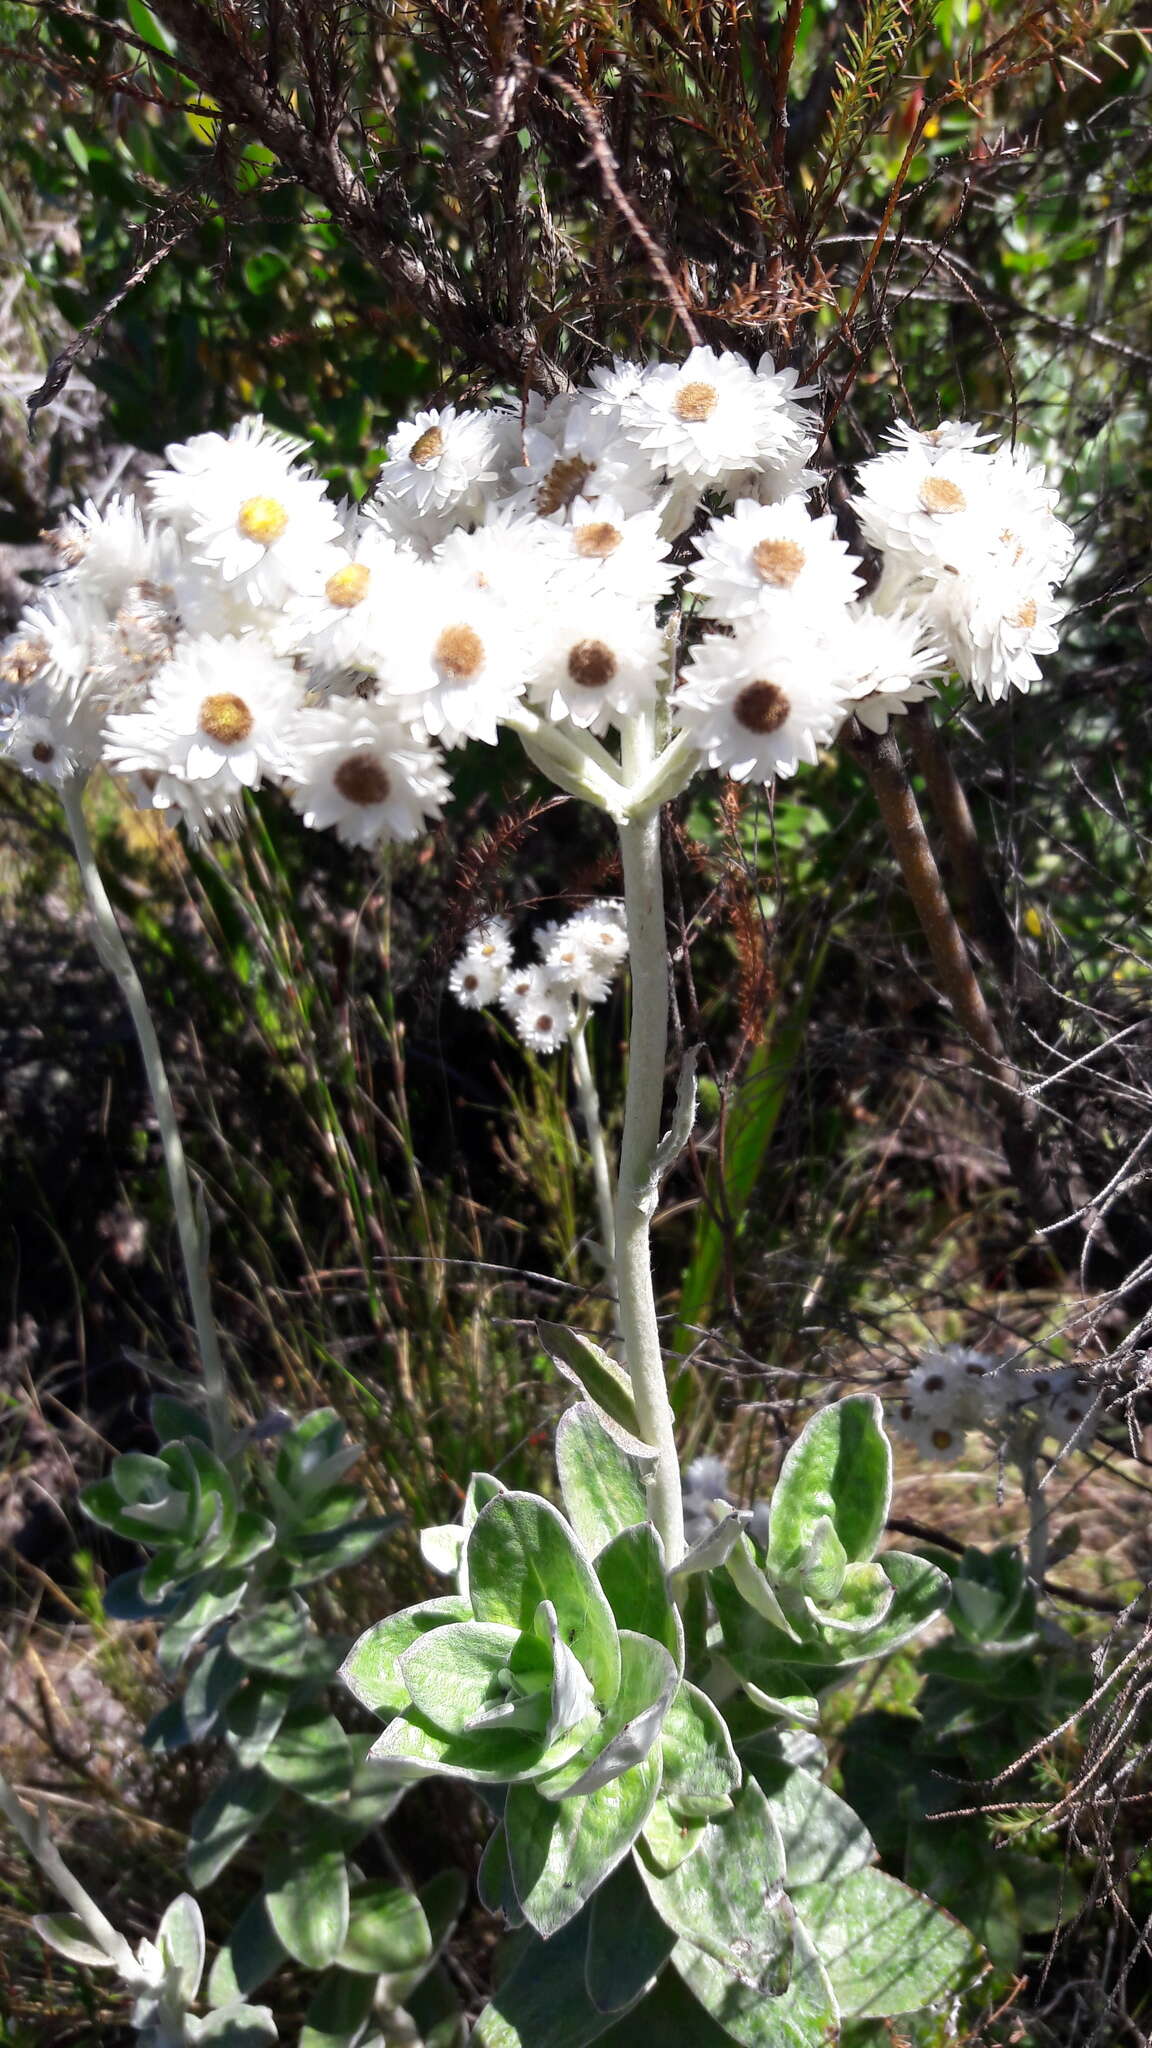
(117,959)
(44,1852)
(643,1104)
(589,1098)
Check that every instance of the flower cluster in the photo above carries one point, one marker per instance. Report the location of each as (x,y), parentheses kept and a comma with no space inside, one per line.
(547,998)
(954,1390)
(647,541)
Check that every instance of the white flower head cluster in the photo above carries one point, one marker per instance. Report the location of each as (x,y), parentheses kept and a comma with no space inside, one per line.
(969,535)
(242,627)
(545,1000)
(954,1390)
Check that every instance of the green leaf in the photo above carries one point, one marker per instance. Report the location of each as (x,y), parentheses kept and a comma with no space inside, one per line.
(237,2026)
(339,2011)
(728,1896)
(800,2015)
(387,1931)
(311,1754)
(754,1587)
(631,1570)
(668,1838)
(191,1624)
(124,1600)
(253,1717)
(494,1879)
(584,1365)
(543,2002)
(217,1676)
(886,1949)
(669,2017)
(412,1748)
(67,1934)
(628,1943)
(281,1640)
(862,1602)
(561,1850)
(823,1839)
(174,1421)
(335,1550)
(820,1573)
(453,1673)
(603,1487)
(180,1939)
(372,1798)
(520,1552)
(839,1468)
(630,1728)
(254,1952)
(371,1670)
(239,1805)
(701,1771)
(308,1906)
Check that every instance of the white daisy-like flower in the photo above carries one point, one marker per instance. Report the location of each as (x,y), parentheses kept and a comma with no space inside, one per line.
(1024,527)
(491,941)
(509,556)
(454,659)
(596,545)
(570,959)
(602,929)
(205,809)
(356,767)
(932,442)
(773,557)
(918,502)
(345,622)
(957,1385)
(439,465)
(42,745)
(519,985)
(994,622)
(886,662)
(248,508)
(578,451)
(933,1436)
(709,420)
(545,1013)
(112,547)
(216,713)
(475,982)
(597,658)
(1071,1414)
(759,701)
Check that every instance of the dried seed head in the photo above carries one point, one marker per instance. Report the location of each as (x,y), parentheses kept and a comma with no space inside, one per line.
(598,539)
(1026,616)
(428,447)
(563,484)
(362,779)
(262,519)
(226,719)
(22,662)
(762,707)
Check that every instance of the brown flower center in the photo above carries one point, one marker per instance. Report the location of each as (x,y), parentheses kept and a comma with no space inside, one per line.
(562,485)
(695,403)
(428,447)
(1026,616)
(21,662)
(348,586)
(360,779)
(262,519)
(940,494)
(943,1439)
(591,665)
(762,707)
(596,540)
(460,650)
(226,719)
(43,753)
(544,1022)
(778,561)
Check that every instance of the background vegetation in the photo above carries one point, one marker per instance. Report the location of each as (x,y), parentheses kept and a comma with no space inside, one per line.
(330,215)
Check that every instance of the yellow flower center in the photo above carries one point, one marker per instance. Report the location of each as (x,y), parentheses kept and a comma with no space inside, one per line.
(591,665)
(695,403)
(460,650)
(596,540)
(428,447)
(940,494)
(21,662)
(762,707)
(778,562)
(262,519)
(1026,616)
(361,779)
(348,586)
(226,719)
(562,485)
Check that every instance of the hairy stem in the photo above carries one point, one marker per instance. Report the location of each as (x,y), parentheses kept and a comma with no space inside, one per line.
(44,1852)
(589,1098)
(638,1181)
(117,959)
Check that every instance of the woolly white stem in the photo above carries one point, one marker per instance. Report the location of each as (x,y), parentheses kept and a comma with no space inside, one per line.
(117,959)
(573,759)
(643,1103)
(30,1829)
(589,1098)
